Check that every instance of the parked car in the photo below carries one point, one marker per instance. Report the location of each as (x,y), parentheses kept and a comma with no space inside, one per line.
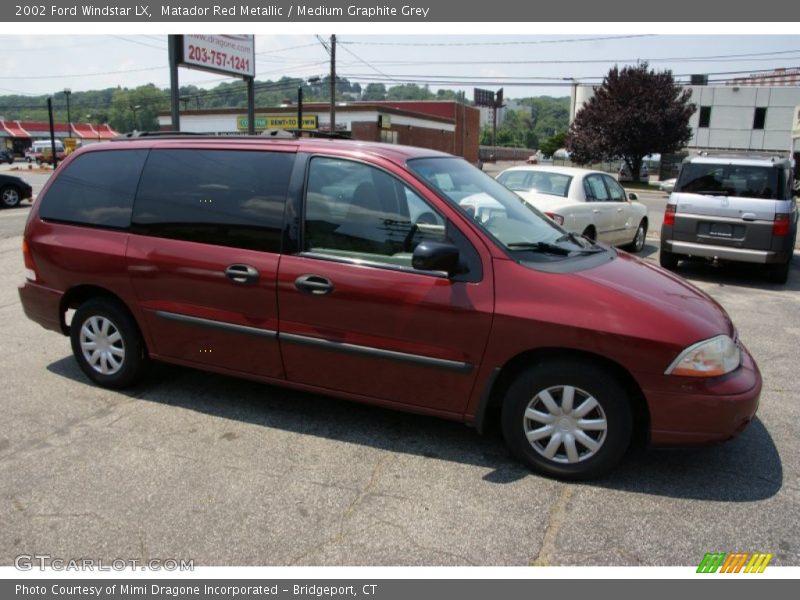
(13,190)
(667,185)
(7,155)
(585,202)
(625,173)
(426,286)
(734,208)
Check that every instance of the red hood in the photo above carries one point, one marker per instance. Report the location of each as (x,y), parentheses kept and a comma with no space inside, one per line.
(673,306)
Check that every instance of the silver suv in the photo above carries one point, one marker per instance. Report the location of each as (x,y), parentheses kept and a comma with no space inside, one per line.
(738,208)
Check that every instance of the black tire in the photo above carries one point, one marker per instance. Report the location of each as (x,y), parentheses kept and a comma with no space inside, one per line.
(132,362)
(637,245)
(778,273)
(589,382)
(590,234)
(10,196)
(668,260)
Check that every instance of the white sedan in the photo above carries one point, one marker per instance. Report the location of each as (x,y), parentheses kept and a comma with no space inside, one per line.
(589,203)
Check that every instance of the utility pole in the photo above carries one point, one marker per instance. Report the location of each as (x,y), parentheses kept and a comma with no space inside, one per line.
(174,47)
(300,108)
(333,84)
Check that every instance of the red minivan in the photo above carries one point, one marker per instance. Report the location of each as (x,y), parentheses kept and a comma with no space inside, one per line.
(364,271)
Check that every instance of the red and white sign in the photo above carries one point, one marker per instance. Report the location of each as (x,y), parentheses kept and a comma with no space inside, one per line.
(229,54)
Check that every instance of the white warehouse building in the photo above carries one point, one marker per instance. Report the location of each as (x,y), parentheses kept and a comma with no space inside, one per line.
(731,117)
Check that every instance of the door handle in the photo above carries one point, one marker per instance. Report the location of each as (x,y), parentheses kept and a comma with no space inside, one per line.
(315,285)
(242,274)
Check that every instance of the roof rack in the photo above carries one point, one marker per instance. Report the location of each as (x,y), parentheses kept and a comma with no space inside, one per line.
(140,134)
(316,133)
(279,133)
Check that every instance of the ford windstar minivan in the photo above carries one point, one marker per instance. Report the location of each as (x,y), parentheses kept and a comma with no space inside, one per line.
(397,276)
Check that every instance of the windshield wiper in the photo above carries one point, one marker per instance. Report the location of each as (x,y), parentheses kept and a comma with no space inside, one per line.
(587,245)
(541,247)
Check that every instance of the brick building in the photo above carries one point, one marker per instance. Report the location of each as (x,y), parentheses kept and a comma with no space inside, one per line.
(439,125)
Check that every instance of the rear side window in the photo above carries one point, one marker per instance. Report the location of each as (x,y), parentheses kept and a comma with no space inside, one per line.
(95,189)
(223,197)
(744,181)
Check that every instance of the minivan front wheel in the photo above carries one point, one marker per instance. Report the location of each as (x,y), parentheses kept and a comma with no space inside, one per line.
(107,344)
(567,419)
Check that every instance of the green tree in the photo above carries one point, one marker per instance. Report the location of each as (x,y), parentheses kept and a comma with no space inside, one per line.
(145,102)
(553,143)
(374,91)
(635,112)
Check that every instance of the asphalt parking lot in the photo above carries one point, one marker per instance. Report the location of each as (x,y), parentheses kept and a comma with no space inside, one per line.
(193,465)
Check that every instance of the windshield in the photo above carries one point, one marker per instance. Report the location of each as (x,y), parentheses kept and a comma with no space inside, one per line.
(530,180)
(731,180)
(497,210)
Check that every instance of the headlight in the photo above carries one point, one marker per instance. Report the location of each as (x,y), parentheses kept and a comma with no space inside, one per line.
(709,358)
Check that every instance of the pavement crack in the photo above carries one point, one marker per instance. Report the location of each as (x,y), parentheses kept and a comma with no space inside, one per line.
(555,519)
(351,508)
(461,558)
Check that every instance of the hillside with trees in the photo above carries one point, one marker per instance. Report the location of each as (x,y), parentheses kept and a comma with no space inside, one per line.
(126,109)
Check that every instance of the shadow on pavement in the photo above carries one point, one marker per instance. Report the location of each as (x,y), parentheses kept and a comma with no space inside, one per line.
(743,275)
(744,470)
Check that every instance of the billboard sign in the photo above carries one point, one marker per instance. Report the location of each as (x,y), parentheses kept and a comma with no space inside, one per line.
(277,122)
(227,54)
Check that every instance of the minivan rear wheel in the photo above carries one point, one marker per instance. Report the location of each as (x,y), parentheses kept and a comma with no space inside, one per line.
(567,419)
(107,344)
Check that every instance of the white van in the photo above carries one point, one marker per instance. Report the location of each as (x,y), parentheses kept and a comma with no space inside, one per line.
(38,149)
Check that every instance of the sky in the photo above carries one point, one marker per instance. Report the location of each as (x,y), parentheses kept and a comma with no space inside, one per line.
(524,65)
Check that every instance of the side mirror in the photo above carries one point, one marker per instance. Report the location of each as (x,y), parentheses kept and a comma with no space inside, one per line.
(436,256)
(633,196)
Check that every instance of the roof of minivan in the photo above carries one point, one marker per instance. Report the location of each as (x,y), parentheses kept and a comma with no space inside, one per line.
(393,152)
(747,160)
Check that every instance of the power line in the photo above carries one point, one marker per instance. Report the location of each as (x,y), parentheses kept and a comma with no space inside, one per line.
(506,43)
(379,72)
(139,42)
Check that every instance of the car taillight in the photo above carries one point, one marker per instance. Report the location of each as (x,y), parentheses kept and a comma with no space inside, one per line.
(780,226)
(669,215)
(557,218)
(30,266)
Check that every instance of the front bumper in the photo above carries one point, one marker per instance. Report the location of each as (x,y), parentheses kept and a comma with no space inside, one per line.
(704,411)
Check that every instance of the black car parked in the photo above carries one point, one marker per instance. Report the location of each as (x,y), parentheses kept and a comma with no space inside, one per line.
(13,190)
(6,155)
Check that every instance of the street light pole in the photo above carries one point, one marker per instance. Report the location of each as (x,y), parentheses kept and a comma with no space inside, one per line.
(67,92)
(133,110)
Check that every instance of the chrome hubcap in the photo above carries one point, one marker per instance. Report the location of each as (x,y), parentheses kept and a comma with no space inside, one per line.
(565,424)
(10,197)
(102,346)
